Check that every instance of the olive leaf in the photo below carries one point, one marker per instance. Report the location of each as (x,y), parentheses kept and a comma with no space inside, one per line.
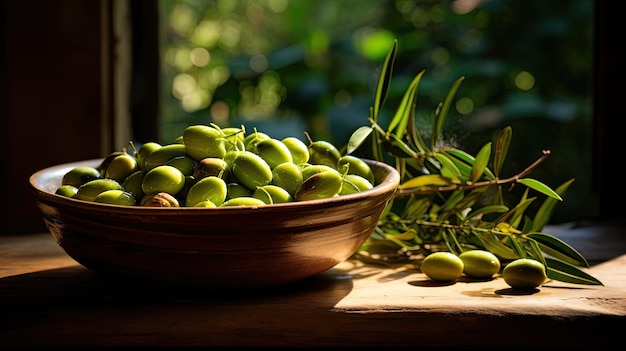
(545,210)
(384,79)
(451,242)
(357,138)
(540,187)
(408,235)
(487,210)
(558,249)
(452,200)
(462,157)
(442,112)
(414,136)
(502,147)
(480,163)
(559,270)
(428,180)
(448,168)
(403,113)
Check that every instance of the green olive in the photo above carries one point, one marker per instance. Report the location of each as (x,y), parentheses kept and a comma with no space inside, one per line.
(164,178)
(91,189)
(234,137)
(185,164)
(299,150)
(67,190)
(102,167)
(121,167)
(251,170)
(353,183)
(355,165)
(163,154)
(287,176)
(203,141)
(116,197)
(205,203)
(442,266)
(159,200)
(311,169)
(230,156)
(237,190)
(252,139)
(361,183)
(243,201)
(132,184)
(319,186)
(272,194)
(323,153)
(479,264)
(212,166)
(524,273)
(273,151)
(80,175)
(144,150)
(209,188)
(189,182)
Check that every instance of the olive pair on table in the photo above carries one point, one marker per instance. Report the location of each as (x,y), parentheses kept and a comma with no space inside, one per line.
(210,167)
(523,273)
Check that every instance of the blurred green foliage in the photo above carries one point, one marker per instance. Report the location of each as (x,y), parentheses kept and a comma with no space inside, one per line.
(289,66)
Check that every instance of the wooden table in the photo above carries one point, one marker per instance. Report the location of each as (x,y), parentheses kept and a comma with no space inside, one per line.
(49,301)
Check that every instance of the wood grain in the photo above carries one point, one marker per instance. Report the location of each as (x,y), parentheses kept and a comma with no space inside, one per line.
(47,300)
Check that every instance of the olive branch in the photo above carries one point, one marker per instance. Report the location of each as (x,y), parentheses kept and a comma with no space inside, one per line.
(450,200)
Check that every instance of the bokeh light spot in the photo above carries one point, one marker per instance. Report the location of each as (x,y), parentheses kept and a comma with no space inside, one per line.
(465,105)
(524,80)
(200,57)
(258,63)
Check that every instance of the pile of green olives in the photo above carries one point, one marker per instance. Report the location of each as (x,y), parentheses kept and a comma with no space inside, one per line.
(209,166)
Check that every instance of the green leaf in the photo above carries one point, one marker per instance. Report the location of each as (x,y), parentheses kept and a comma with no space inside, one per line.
(452,200)
(565,272)
(520,209)
(358,137)
(399,148)
(517,246)
(451,242)
(515,211)
(468,159)
(408,235)
(414,135)
(446,163)
(545,210)
(540,187)
(384,79)
(488,209)
(415,208)
(558,249)
(480,163)
(401,119)
(469,200)
(440,118)
(502,147)
(377,150)
(428,180)
(496,247)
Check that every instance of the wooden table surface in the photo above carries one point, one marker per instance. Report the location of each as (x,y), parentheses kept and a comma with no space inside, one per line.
(49,301)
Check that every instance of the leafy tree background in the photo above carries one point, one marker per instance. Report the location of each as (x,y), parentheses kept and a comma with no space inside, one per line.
(288,66)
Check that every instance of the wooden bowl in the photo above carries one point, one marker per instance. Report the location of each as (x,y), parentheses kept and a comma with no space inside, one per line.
(218,248)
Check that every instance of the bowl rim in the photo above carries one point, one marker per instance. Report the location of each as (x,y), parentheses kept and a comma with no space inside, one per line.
(387,185)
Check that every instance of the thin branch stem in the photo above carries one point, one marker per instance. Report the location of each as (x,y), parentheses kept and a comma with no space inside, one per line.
(513,179)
